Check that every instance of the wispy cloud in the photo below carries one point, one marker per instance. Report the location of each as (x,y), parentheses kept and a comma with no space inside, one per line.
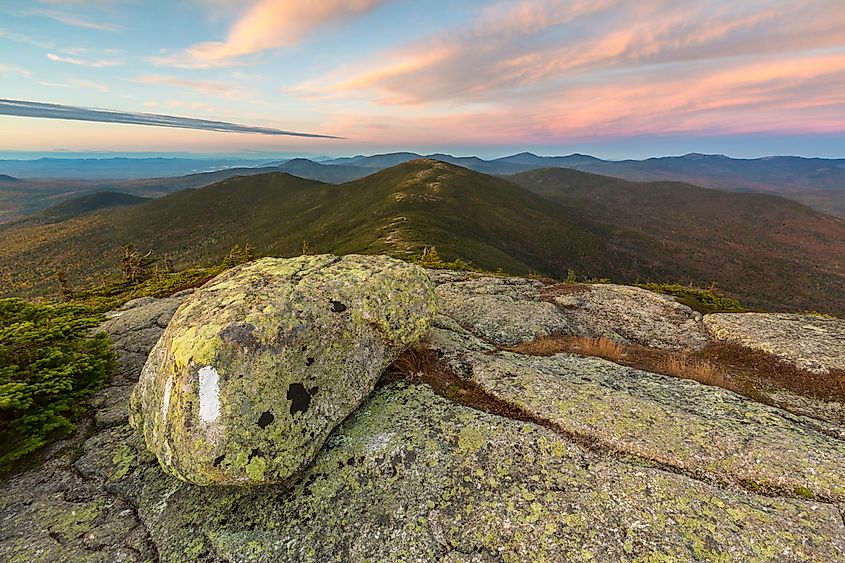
(26,39)
(517,46)
(101,63)
(269,24)
(24,108)
(7,70)
(77,83)
(201,86)
(72,19)
(562,71)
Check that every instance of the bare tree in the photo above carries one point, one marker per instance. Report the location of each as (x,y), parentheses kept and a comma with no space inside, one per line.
(134,265)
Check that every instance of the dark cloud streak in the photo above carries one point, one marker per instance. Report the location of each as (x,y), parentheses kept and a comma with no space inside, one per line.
(23,108)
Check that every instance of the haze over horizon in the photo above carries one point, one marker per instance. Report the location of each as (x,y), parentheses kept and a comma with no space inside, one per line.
(487,78)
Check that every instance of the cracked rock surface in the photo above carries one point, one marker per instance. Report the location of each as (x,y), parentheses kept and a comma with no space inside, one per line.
(608,464)
(810,342)
(507,311)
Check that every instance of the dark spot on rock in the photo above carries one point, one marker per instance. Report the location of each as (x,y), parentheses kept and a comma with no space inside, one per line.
(218,460)
(314,390)
(309,361)
(299,398)
(338,307)
(265,419)
(304,347)
(289,337)
(242,334)
(396,461)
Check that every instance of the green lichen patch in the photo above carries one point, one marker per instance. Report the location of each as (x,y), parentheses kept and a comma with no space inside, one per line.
(703,430)
(411,475)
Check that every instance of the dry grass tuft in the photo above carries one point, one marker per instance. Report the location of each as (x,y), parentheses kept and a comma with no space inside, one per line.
(421,364)
(600,347)
(698,369)
(417,363)
(555,344)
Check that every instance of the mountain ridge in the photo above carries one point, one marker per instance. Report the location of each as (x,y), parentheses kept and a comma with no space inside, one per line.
(597,226)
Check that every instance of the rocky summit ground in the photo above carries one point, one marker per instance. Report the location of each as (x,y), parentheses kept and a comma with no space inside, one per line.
(489,444)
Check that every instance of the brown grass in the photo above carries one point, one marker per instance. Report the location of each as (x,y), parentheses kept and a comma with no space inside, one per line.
(421,364)
(549,345)
(739,369)
(416,363)
(601,347)
(680,364)
(765,371)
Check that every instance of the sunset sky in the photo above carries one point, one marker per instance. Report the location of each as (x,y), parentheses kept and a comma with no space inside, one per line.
(614,78)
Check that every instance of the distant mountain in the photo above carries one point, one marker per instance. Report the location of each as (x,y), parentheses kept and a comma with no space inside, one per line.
(382,161)
(377,161)
(86,204)
(25,197)
(531,161)
(115,168)
(768,251)
(332,174)
(817,182)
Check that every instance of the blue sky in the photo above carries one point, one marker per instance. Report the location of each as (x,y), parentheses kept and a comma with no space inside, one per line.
(607,77)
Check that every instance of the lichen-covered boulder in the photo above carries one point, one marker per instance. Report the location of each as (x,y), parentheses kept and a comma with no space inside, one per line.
(260,364)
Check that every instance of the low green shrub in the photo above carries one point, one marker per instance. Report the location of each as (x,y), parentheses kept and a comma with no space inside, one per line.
(701,300)
(49,363)
(429,258)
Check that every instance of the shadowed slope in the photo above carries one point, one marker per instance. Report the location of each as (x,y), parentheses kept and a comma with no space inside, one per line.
(770,251)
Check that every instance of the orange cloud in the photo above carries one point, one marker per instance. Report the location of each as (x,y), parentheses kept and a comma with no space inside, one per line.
(269,24)
(537,43)
(799,94)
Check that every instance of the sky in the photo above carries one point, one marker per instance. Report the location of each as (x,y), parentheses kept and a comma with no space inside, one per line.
(613,78)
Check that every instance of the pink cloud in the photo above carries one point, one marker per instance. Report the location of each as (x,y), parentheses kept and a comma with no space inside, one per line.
(534,43)
(562,71)
(801,94)
(268,24)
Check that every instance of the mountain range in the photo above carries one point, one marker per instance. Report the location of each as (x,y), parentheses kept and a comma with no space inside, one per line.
(816,182)
(767,250)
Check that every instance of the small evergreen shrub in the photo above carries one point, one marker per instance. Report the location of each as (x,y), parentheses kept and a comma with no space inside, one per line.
(49,364)
(701,300)
(430,258)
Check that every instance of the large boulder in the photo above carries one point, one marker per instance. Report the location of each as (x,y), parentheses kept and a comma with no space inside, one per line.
(259,365)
